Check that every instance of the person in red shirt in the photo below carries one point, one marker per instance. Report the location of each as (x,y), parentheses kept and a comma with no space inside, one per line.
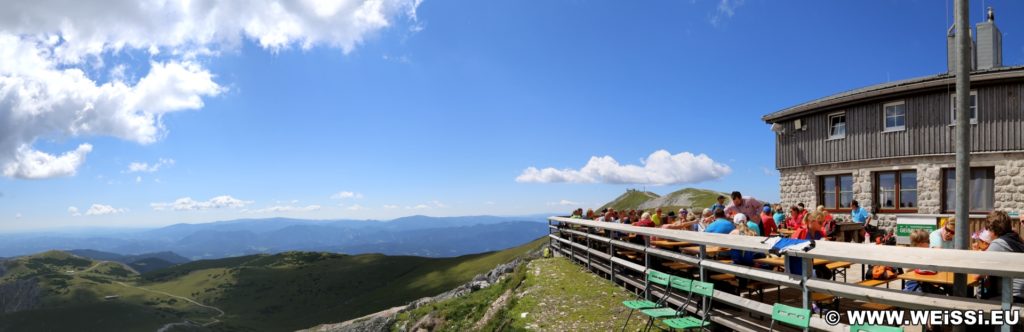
(767,221)
(812,229)
(796,218)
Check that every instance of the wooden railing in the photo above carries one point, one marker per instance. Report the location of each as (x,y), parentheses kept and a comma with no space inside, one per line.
(1008,265)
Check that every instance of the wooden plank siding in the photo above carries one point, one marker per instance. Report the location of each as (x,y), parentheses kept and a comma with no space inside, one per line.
(928,131)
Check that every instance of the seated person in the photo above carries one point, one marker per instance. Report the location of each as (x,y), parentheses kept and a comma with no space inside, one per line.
(943,237)
(918,239)
(721,225)
(812,230)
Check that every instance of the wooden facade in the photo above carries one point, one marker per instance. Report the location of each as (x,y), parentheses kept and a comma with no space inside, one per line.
(928,129)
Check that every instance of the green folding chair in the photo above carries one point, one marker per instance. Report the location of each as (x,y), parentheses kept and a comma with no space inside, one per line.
(653,278)
(707,292)
(793,316)
(875,328)
(679,284)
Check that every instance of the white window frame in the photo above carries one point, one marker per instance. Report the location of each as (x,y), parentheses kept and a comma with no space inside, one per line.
(833,115)
(885,117)
(952,108)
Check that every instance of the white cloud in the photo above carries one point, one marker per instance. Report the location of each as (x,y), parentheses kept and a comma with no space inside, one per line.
(565,202)
(390,206)
(438,204)
(418,207)
(769,172)
(17,215)
(100,210)
(489,203)
(285,208)
(355,207)
(73,211)
(138,178)
(725,10)
(26,163)
(149,168)
(189,204)
(346,195)
(53,54)
(660,168)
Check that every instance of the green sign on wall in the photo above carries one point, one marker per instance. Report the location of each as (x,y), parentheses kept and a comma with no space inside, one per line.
(905,229)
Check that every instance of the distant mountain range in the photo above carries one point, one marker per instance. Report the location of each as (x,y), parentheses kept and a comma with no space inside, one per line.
(415,235)
(691,198)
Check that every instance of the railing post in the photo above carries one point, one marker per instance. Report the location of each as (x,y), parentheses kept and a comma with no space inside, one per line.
(700,262)
(611,260)
(1007,297)
(589,230)
(805,275)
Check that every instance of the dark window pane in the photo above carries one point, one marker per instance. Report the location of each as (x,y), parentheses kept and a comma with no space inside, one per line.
(845,200)
(828,184)
(829,200)
(900,121)
(846,183)
(887,181)
(908,180)
(890,122)
(908,199)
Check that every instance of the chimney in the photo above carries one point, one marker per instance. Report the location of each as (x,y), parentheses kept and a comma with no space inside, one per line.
(990,43)
(951,50)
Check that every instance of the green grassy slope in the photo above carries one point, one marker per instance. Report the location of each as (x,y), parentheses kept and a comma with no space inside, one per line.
(631,199)
(691,198)
(286,291)
(545,295)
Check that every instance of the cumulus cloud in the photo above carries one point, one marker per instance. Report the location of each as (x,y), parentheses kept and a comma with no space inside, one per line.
(149,168)
(100,210)
(418,207)
(73,211)
(346,195)
(26,163)
(565,202)
(355,207)
(285,208)
(189,204)
(53,54)
(660,168)
(390,206)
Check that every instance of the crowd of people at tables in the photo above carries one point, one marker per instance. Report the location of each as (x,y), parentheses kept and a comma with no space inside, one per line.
(750,217)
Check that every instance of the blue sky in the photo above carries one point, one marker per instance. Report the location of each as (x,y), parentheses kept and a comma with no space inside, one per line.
(439,112)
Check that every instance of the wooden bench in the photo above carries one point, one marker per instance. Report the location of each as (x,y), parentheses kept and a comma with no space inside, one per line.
(678,266)
(874,282)
(722,277)
(631,255)
(823,298)
(876,306)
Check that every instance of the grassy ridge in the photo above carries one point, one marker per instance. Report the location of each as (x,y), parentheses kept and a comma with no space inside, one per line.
(545,295)
(286,291)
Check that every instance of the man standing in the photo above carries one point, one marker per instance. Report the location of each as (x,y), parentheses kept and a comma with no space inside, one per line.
(748,206)
(943,237)
(656,218)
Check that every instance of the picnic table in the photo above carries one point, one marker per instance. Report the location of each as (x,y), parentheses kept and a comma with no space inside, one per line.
(850,232)
(786,232)
(710,250)
(940,278)
(667,244)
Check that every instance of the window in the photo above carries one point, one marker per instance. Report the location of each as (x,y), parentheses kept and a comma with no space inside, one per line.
(974,107)
(895,116)
(837,126)
(836,191)
(981,189)
(896,191)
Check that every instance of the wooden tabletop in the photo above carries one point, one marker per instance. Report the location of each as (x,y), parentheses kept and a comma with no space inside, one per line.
(941,278)
(781,261)
(786,232)
(671,244)
(711,250)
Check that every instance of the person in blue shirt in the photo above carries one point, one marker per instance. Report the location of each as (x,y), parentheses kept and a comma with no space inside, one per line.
(858,213)
(721,225)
